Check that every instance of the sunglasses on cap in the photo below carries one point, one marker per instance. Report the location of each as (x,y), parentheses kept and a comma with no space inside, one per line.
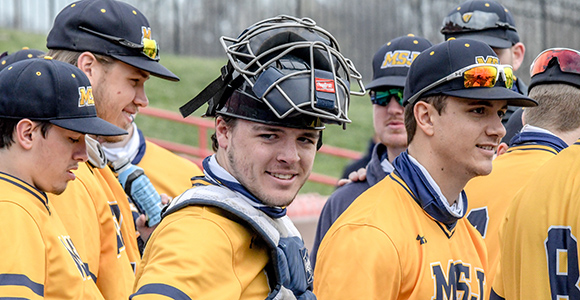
(479,20)
(149,48)
(383,98)
(568,60)
(477,75)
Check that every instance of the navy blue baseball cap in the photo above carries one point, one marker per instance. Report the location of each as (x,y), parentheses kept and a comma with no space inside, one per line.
(444,59)
(392,61)
(552,66)
(111,28)
(486,21)
(43,89)
(24,53)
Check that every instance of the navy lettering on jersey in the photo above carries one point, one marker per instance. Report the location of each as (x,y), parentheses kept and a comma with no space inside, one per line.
(117,218)
(479,218)
(562,255)
(81,266)
(456,282)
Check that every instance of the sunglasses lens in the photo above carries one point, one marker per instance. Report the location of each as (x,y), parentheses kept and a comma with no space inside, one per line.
(382,98)
(568,60)
(480,76)
(150,48)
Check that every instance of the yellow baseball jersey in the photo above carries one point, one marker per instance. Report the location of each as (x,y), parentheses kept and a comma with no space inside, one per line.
(489,196)
(199,253)
(39,259)
(385,246)
(169,173)
(120,202)
(91,215)
(539,236)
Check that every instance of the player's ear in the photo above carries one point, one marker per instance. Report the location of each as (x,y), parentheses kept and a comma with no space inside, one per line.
(518,52)
(24,133)
(222,132)
(423,115)
(88,63)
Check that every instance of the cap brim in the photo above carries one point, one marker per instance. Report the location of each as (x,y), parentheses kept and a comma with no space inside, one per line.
(91,125)
(495,93)
(492,41)
(146,64)
(398,81)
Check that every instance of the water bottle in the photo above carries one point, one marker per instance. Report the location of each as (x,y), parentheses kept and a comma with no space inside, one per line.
(140,190)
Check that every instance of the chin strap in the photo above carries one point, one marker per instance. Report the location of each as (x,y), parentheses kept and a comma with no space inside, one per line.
(96,154)
(212,93)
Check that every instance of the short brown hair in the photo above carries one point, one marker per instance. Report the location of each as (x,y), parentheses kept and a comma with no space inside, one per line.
(438,101)
(558,107)
(8,125)
(72,57)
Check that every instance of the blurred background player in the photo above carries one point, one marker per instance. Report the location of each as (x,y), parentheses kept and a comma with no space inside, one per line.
(405,237)
(490,22)
(550,127)
(538,243)
(111,42)
(42,125)
(7,59)
(229,237)
(390,67)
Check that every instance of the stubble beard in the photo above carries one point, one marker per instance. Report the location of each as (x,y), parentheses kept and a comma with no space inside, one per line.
(265,199)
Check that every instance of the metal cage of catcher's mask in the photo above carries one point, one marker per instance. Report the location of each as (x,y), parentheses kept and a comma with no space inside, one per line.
(278,58)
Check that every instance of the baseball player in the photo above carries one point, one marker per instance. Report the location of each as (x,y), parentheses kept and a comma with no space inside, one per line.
(390,66)
(490,22)
(228,237)
(538,256)
(43,122)
(111,42)
(550,128)
(405,237)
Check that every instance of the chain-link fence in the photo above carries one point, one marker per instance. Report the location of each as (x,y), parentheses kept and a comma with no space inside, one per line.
(192,27)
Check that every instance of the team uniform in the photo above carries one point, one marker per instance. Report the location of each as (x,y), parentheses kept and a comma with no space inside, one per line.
(91,213)
(539,236)
(378,167)
(399,240)
(528,151)
(41,256)
(228,247)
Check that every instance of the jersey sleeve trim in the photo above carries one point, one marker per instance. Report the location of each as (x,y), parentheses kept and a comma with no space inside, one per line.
(161,289)
(495,296)
(22,280)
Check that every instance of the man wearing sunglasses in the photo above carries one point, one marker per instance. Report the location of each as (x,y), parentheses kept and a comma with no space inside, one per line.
(406,237)
(490,22)
(530,249)
(390,67)
(111,42)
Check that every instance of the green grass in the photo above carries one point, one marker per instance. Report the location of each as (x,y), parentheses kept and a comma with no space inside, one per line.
(195,74)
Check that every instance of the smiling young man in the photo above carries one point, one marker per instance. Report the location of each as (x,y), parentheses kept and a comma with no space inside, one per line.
(405,237)
(43,122)
(390,66)
(111,42)
(229,237)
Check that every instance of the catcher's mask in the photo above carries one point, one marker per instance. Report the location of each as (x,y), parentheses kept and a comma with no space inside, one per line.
(282,71)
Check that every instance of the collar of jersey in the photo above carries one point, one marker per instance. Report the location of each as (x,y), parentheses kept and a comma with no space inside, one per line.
(526,138)
(215,174)
(38,194)
(424,193)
